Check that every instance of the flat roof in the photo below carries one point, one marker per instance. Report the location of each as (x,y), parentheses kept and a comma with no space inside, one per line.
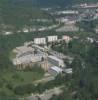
(38,47)
(24,49)
(27,59)
(57,69)
(52,36)
(68,70)
(55,58)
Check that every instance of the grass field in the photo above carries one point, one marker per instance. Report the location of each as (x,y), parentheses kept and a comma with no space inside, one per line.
(21,77)
(17,78)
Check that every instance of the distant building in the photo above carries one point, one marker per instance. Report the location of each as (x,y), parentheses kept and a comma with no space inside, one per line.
(25,30)
(85,5)
(67,12)
(55,70)
(75,37)
(52,38)
(40,40)
(87,15)
(63,20)
(56,61)
(66,38)
(68,71)
(8,33)
(96,29)
(91,40)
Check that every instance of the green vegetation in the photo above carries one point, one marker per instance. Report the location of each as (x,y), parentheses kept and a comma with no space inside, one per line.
(88,26)
(8,74)
(74,47)
(62,3)
(83,83)
(25,76)
(39,88)
(16,17)
(11,79)
(7,43)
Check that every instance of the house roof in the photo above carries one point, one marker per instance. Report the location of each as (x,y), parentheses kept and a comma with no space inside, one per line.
(57,69)
(55,58)
(24,48)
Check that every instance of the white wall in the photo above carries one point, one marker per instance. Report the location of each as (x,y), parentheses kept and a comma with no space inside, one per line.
(52,38)
(40,40)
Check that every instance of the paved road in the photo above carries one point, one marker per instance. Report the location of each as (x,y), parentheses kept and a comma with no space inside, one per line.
(45,79)
(67,28)
(46,95)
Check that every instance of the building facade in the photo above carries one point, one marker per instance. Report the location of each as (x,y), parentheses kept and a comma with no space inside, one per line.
(52,38)
(56,61)
(40,40)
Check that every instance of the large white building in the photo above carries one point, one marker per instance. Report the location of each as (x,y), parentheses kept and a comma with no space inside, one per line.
(52,38)
(56,61)
(27,59)
(40,40)
(25,55)
(23,50)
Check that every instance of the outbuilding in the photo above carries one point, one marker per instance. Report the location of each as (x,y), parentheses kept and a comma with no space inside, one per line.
(55,70)
(68,70)
(56,61)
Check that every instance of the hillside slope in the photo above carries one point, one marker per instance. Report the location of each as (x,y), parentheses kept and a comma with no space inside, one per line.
(63,2)
(15,15)
(46,3)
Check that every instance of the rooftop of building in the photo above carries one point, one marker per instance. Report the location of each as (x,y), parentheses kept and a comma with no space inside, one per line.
(57,69)
(24,49)
(55,58)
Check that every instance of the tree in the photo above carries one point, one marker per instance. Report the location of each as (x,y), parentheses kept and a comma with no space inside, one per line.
(88,26)
(93,54)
